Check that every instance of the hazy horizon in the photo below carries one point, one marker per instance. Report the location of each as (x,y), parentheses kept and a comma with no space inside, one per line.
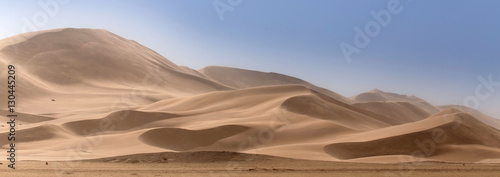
(434,50)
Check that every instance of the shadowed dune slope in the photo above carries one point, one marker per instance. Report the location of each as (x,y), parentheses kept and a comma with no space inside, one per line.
(241,78)
(182,139)
(427,138)
(38,133)
(27,118)
(117,121)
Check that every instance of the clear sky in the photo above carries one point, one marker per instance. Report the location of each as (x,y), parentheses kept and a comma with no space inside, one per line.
(432,49)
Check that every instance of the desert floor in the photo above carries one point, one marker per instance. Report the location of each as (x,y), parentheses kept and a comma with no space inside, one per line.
(263,168)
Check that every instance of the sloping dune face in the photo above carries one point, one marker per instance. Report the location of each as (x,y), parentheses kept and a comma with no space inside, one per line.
(433,137)
(95,94)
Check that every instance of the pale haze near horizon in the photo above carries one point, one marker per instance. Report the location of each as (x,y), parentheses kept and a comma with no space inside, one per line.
(434,50)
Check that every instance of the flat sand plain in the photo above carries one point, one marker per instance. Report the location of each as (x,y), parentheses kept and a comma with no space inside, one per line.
(263,168)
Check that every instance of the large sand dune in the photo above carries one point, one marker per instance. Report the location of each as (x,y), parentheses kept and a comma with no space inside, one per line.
(94,94)
(83,62)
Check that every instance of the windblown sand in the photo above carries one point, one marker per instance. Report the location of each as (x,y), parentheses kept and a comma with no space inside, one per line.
(88,94)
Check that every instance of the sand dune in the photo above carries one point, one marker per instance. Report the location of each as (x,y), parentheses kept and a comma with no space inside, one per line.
(123,99)
(88,61)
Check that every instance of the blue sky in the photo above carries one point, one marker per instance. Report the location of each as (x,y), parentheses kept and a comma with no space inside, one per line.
(433,49)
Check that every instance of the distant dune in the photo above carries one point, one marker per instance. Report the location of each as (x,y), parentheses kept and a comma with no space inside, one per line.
(241,78)
(381,96)
(123,99)
(399,112)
